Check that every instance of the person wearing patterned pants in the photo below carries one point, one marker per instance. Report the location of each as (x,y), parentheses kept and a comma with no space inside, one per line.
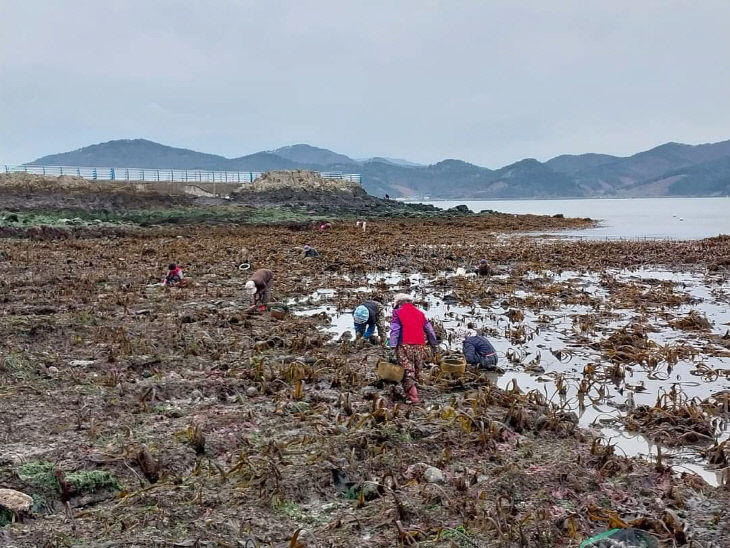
(410,358)
(409,330)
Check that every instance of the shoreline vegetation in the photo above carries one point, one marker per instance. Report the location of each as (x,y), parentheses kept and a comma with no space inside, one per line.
(137,414)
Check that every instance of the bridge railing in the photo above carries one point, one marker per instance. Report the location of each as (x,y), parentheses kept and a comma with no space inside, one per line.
(164,175)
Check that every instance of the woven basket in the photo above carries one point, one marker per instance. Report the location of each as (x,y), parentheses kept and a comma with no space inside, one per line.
(390,371)
(453,365)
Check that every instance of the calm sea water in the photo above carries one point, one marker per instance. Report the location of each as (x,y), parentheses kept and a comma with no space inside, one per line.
(631,218)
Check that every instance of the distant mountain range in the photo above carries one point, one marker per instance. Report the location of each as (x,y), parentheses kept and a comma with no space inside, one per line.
(672,169)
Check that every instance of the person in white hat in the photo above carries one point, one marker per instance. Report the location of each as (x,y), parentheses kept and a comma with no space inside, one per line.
(409,330)
(259,287)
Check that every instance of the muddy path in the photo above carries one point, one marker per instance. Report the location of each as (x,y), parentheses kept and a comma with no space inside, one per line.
(140,416)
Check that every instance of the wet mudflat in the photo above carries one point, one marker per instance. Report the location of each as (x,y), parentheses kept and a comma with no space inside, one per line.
(137,416)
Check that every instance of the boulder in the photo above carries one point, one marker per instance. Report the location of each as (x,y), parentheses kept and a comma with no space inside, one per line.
(15,501)
(433,475)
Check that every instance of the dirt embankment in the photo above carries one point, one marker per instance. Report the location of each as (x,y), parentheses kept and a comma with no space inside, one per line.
(27,192)
(299,192)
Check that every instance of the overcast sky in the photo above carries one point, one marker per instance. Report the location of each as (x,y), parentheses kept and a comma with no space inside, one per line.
(484,81)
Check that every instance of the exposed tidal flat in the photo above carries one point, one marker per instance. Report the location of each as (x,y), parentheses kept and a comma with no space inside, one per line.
(190,420)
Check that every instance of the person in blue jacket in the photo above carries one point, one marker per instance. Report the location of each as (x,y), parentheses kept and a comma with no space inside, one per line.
(309,251)
(480,352)
(367,317)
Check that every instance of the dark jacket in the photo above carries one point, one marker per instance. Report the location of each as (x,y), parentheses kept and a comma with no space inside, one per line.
(483,269)
(479,351)
(374,308)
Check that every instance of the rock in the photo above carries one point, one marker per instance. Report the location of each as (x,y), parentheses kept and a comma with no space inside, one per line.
(15,501)
(252,391)
(297,407)
(415,470)
(327,395)
(371,490)
(81,363)
(433,475)
(369,391)
(37,310)
(463,209)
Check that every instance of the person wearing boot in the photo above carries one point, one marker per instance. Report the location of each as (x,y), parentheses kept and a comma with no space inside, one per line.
(409,330)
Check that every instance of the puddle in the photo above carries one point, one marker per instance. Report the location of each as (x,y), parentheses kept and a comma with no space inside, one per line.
(553,328)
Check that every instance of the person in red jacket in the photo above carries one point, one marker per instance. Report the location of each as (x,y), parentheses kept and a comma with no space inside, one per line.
(174,275)
(409,330)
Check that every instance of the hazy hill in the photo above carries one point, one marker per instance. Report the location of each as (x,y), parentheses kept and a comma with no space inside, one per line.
(571,163)
(309,155)
(134,153)
(260,161)
(647,166)
(531,178)
(669,169)
(708,179)
(393,161)
(446,179)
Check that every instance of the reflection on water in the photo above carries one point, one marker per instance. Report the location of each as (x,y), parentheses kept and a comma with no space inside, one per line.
(535,366)
(630,218)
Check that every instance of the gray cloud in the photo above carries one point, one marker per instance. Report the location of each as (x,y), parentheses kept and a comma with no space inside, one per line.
(488,82)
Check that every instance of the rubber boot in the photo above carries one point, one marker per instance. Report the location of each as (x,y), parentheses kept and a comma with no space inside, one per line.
(413,394)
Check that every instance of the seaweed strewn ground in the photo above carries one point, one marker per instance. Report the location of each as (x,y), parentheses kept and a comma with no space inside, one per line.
(173,417)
